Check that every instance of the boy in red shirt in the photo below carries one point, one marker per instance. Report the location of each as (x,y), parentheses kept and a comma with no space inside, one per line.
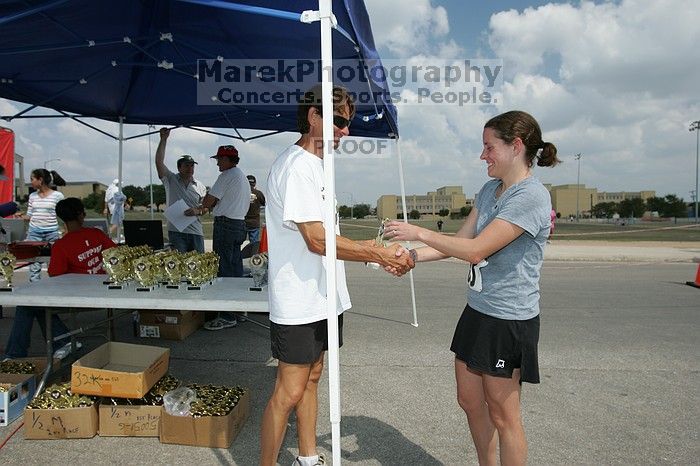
(79,251)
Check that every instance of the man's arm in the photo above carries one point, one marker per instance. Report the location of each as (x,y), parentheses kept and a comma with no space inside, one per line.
(160,153)
(314,235)
(208,204)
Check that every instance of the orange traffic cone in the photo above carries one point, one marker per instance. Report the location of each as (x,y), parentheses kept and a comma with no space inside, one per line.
(263,241)
(696,283)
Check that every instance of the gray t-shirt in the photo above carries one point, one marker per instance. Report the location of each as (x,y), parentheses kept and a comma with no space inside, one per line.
(192,194)
(510,281)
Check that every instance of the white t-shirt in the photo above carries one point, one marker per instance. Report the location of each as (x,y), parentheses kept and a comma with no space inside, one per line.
(297,276)
(233,193)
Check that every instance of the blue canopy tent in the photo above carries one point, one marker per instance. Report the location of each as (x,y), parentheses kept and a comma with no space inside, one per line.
(140,62)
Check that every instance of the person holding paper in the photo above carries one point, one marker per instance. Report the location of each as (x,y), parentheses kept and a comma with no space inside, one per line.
(182,186)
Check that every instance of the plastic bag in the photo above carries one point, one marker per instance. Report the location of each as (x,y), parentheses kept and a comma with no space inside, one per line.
(177,402)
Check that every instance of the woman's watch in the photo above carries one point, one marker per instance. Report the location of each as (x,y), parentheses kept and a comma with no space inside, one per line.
(414,255)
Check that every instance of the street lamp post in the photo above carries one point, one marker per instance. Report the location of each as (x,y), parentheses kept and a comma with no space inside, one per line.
(695,126)
(578,186)
(46,162)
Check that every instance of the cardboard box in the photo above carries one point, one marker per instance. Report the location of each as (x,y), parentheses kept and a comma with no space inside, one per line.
(19,392)
(121,370)
(129,420)
(39,364)
(169,325)
(48,424)
(206,431)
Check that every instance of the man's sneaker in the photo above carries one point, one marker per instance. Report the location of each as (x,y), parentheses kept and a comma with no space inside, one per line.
(220,323)
(320,462)
(65,350)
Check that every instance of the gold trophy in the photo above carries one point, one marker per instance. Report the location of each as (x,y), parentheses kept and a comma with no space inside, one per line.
(146,272)
(172,267)
(379,242)
(194,270)
(118,262)
(7,269)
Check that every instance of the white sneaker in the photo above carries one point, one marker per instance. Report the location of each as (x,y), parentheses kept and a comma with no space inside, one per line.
(220,323)
(320,462)
(65,350)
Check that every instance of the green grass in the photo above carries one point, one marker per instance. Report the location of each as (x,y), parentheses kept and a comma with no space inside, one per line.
(565,230)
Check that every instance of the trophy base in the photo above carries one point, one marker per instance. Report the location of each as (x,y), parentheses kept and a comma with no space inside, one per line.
(175,287)
(5,288)
(257,288)
(115,286)
(201,286)
(146,288)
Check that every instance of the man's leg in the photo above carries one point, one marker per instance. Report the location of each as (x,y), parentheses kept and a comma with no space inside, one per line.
(290,388)
(177,241)
(237,239)
(57,327)
(221,245)
(198,243)
(307,411)
(20,335)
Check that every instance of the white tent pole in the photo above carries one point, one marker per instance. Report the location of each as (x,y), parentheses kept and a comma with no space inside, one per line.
(121,180)
(405,219)
(150,168)
(325,11)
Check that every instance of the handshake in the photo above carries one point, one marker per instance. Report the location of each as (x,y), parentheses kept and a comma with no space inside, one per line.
(394,258)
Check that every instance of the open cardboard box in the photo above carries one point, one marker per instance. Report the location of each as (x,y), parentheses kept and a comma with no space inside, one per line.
(121,370)
(205,431)
(39,364)
(19,392)
(50,424)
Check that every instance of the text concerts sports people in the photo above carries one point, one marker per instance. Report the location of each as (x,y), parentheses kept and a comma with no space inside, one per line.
(503,238)
(296,245)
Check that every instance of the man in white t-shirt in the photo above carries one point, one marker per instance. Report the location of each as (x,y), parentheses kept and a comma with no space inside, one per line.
(294,216)
(228,200)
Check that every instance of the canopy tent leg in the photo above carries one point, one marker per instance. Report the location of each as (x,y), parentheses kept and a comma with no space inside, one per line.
(405,219)
(121,179)
(326,13)
(150,169)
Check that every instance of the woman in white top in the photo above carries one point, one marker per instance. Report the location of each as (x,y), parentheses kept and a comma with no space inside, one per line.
(41,212)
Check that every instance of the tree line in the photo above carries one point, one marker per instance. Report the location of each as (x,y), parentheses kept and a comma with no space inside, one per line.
(135,195)
(667,206)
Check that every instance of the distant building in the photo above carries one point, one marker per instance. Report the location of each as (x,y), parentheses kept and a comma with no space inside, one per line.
(451,198)
(564,198)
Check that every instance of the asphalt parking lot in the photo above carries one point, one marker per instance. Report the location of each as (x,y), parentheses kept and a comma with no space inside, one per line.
(618,360)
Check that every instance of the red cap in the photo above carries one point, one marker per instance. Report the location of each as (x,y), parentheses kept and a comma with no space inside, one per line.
(226,151)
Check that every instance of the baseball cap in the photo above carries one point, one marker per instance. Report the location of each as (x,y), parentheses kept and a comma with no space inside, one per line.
(185,159)
(251,178)
(226,151)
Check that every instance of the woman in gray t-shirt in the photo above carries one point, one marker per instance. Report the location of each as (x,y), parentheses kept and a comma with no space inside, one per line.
(503,240)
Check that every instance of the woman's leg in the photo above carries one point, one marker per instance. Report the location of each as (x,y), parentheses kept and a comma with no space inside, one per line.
(503,399)
(470,396)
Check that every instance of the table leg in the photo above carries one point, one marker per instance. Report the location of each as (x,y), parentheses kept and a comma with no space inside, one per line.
(49,352)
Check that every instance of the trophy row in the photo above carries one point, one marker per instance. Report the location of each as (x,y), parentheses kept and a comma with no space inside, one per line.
(124,264)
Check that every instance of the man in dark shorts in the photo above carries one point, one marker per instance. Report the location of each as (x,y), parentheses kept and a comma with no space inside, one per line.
(297,276)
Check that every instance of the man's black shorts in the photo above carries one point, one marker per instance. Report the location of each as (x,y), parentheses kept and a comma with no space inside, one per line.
(497,346)
(301,344)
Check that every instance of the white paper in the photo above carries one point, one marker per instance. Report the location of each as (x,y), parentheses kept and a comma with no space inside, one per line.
(175,214)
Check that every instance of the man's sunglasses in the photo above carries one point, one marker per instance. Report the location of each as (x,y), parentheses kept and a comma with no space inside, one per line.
(340,122)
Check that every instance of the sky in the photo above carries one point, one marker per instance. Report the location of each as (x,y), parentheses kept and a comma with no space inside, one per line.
(617,81)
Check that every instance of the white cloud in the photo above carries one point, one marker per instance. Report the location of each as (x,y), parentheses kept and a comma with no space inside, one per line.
(407,27)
